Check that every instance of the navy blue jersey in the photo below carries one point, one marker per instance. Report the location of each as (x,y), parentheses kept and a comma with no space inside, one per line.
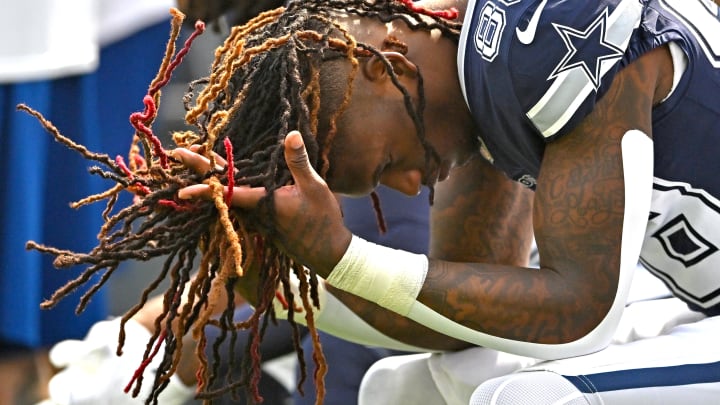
(531,70)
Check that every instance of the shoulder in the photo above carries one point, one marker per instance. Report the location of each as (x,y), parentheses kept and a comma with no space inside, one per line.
(578,48)
(550,55)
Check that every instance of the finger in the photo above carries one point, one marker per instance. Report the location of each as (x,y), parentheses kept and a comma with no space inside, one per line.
(242,197)
(196,191)
(197,148)
(247,197)
(298,161)
(194,161)
(201,148)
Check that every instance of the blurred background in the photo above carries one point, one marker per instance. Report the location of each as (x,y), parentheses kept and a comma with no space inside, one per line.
(84,65)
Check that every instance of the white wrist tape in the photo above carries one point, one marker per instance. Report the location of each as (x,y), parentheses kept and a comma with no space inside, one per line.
(335,318)
(388,277)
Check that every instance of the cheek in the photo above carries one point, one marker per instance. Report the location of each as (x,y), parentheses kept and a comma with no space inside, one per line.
(350,174)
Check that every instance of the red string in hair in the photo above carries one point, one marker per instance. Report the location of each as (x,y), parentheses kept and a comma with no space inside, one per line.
(449,14)
(141,188)
(382,225)
(199,29)
(140,370)
(140,120)
(230,171)
(183,206)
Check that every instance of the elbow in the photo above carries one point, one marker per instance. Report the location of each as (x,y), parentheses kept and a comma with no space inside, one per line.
(588,340)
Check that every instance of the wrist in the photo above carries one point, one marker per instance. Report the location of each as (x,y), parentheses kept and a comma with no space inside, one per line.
(389,277)
(343,245)
(338,247)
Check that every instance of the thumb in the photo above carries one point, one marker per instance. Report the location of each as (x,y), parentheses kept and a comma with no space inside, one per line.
(297,159)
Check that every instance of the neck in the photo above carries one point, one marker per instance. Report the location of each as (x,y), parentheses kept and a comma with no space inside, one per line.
(447,117)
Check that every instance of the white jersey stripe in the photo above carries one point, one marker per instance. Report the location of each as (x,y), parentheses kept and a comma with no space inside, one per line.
(570,88)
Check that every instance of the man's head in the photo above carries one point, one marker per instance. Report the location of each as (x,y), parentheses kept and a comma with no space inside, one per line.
(361,81)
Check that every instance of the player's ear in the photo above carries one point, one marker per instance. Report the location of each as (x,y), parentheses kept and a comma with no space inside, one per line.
(375,68)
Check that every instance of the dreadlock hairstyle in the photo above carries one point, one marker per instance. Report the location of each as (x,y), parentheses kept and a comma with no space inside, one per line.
(265,80)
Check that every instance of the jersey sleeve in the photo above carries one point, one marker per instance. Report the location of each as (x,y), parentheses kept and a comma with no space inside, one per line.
(531,71)
(576,52)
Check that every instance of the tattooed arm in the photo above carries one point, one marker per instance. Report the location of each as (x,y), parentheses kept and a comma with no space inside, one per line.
(456,219)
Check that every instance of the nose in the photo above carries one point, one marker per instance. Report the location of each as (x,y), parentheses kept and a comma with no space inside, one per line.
(407,182)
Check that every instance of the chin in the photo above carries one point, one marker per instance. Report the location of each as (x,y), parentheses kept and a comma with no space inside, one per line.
(350,189)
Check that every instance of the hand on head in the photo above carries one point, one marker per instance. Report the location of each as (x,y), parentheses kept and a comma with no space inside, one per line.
(308,220)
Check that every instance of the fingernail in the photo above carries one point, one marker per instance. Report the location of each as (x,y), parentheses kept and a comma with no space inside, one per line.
(295,141)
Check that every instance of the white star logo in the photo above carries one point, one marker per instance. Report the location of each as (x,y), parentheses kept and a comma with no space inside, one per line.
(587,50)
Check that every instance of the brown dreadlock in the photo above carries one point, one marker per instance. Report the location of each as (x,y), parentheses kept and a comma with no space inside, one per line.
(265,81)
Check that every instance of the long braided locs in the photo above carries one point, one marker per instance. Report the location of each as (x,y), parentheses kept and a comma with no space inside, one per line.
(264,82)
